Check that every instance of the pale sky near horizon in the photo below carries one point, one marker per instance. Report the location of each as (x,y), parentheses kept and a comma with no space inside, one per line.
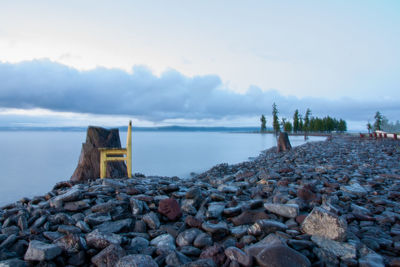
(340,58)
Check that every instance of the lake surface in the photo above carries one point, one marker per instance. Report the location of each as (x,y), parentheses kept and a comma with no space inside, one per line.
(33,161)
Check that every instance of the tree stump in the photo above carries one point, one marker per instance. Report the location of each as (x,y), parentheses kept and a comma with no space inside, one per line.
(89,161)
(283,142)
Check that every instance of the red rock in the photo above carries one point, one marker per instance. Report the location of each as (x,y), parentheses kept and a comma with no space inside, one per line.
(306,194)
(216,253)
(170,208)
(249,217)
(133,191)
(283,182)
(245,175)
(193,222)
(300,218)
(286,170)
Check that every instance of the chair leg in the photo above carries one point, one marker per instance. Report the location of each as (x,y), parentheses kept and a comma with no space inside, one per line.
(103,165)
(129,165)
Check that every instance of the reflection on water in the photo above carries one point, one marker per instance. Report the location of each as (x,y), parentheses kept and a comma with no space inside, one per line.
(32,162)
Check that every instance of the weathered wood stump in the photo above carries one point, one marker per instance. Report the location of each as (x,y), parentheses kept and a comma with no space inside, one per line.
(283,142)
(89,161)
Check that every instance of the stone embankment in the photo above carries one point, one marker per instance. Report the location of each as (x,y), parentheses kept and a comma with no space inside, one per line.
(332,203)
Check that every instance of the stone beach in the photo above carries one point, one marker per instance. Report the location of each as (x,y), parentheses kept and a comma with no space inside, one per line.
(330,203)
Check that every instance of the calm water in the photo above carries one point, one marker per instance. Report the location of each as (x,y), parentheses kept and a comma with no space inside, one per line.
(32,162)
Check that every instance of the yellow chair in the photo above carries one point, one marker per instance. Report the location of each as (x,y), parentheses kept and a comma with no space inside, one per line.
(117,154)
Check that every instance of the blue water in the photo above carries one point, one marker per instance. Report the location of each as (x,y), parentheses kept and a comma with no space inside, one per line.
(32,162)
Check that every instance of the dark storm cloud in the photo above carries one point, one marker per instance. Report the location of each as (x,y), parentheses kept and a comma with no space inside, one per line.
(50,85)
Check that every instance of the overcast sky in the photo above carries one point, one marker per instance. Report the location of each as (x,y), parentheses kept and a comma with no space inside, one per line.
(196,62)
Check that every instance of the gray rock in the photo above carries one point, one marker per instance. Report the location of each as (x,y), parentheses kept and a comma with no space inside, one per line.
(215,228)
(99,240)
(355,189)
(9,241)
(188,206)
(71,243)
(13,263)
(285,210)
(266,227)
(39,251)
(139,244)
(109,256)
(282,256)
(83,226)
(72,194)
(215,210)
(114,226)
(203,240)
(190,251)
(326,224)
(97,218)
(235,254)
(176,258)
(227,188)
(339,249)
(201,263)
(77,205)
(187,237)
(40,221)
(104,207)
(371,260)
(52,235)
(165,242)
(151,220)
(68,229)
(193,193)
(137,260)
(239,231)
(137,206)
(22,223)
(233,211)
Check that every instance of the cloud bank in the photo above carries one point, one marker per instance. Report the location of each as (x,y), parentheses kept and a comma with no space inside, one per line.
(172,95)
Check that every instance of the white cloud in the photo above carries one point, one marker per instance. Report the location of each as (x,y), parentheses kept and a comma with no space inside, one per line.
(45,85)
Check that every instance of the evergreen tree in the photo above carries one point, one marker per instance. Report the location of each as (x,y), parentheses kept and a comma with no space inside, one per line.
(301,124)
(378,121)
(287,126)
(275,118)
(306,125)
(342,127)
(263,123)
(369,127)
(296,126)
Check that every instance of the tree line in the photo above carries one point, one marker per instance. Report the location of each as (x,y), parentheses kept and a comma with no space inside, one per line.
(300,124)
(381,123)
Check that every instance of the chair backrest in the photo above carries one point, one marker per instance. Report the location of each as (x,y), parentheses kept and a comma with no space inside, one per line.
(129,138)
(129,135)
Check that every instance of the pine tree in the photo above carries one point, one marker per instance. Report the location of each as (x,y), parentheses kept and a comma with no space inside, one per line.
(301,124)
(275,122)
(296,121)
(342,127)
(369,127)
(287,126)
(263,123)
(306,125)
(378,121)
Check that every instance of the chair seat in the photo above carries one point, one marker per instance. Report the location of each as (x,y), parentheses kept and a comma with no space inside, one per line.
(117,154)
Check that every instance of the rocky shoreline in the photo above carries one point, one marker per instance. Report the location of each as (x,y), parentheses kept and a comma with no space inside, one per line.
(331,203)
